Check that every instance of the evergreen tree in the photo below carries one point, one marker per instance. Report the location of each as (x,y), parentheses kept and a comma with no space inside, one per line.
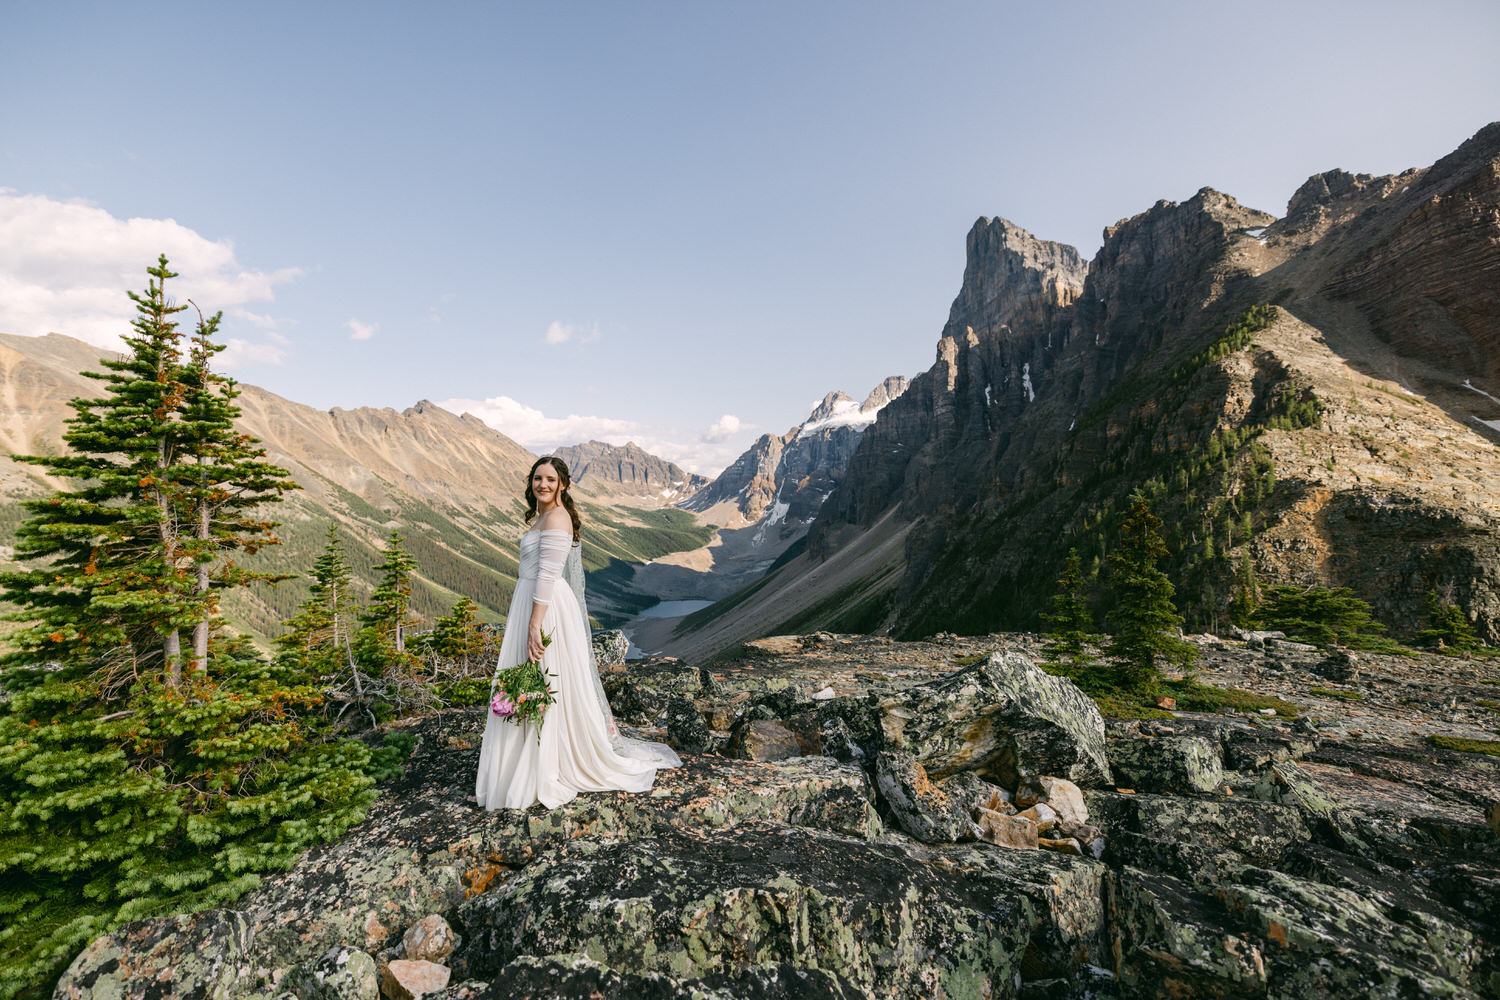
(1448,629)
(1145,619)
(321,634)
(1070,622)
(132,789)
(388,616)
(1323,617)
(1246,594)
(222,481)
(109,586)
(459,637)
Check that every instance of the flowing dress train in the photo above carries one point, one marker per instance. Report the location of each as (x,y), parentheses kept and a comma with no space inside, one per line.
(580,749)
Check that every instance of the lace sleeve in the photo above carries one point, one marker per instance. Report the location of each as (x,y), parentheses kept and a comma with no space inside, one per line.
(554,550)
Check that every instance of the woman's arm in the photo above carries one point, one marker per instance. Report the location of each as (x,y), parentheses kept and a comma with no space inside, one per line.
(554,551)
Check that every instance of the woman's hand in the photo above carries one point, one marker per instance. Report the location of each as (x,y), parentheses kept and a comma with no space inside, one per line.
(534,645)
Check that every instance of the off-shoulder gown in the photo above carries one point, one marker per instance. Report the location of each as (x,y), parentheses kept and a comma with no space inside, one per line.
(581,749)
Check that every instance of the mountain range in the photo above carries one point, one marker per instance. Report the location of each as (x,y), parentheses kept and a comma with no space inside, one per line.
(762,505)
(1309,399)
(450,484)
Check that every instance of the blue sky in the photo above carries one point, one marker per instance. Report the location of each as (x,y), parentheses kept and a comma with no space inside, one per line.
(677,223)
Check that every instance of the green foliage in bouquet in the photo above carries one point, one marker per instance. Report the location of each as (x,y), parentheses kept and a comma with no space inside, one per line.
(521,693)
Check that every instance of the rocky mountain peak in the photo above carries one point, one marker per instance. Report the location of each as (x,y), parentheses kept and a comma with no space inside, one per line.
(887,390)
(1011,277)
(629,470)
(832,403)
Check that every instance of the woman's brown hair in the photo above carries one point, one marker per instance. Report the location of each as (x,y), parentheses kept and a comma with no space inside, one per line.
(563,482)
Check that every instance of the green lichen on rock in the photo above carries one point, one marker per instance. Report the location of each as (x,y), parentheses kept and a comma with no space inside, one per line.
(1181,764)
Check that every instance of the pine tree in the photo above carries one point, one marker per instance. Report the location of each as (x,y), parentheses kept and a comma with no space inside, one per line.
(110,586)
(1448,629)
(1070,622)
(222,481)
(132,789)
(459,637)
(1145,619)
(1246,594)
(388,616)
(320,635)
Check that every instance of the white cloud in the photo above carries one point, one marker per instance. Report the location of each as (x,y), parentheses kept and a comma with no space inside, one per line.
(241,353)
(361,331)
(559,332)
(65,267)
(534,429)
(724,428)
(540,433)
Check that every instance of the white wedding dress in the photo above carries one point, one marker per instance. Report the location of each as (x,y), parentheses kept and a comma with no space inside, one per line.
(581,749)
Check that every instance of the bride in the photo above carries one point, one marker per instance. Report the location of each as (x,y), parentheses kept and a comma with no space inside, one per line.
(581,749)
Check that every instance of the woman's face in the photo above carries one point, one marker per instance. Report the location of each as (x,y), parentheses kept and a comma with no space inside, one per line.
(544,485)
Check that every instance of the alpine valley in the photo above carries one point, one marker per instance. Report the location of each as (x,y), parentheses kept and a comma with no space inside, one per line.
(447,483)
(1309,399)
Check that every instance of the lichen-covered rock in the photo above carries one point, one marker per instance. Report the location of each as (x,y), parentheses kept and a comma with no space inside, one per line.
(640,693)
(1271,934)
(429,940)
(408,979)
(205,954)
(973,793)
(763,740)
(1290,785)
(879,919)
(362,897)
(578,975)
(1004,718)
(340,973)
(1185,765)
(918,806)
(1194,839)
(686,730)
(610,647)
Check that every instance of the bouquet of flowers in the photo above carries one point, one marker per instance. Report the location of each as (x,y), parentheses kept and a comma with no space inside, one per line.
(521,693)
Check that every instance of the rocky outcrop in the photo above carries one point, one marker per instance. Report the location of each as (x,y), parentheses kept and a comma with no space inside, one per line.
(629,471)
(1316,863)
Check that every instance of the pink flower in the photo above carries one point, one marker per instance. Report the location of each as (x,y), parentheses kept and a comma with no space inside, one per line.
(503,706)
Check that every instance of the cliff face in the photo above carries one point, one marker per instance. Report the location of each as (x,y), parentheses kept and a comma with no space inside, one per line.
(749,483)
(1346,435)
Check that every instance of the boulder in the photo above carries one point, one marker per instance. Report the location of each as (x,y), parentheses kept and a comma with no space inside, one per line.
(1003,718)
(429,940)
(1194,839)
(878,919)
(1269,933)
(577,975)
(762,739)
(1183,764)
(340,973)
(196,954)
(918,806)
(973,793)
(1339,665)
(686,730)
(407,979)
(1063,797)
(610,647)
(1007,830)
